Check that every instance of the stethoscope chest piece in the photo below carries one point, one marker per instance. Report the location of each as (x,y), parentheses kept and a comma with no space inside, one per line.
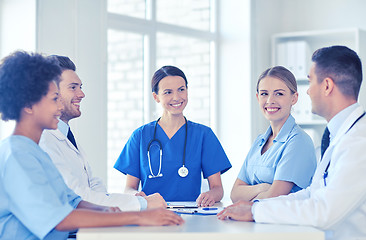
(183,171)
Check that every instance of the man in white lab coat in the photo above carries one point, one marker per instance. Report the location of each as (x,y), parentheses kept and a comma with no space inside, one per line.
(69,158)
(336,199)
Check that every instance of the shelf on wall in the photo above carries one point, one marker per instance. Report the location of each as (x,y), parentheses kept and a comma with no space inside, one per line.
(294,49)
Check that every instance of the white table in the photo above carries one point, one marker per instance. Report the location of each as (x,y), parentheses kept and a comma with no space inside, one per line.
(204,227)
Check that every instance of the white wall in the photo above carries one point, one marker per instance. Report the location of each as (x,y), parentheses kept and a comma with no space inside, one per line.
(17,26)
(233,85)
(276,16)
(76,28)
(17,31)
(264,15)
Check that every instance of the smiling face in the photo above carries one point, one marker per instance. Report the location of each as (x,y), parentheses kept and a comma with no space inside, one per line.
(275,100)
(48,109)
(71,95)
(172,95)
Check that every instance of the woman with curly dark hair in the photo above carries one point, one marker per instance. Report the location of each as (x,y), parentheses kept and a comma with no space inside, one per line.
(35,202)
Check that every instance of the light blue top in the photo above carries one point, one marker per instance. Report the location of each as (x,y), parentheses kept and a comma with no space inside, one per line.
(291,158)
(64,129)
(34,197)
(204,153)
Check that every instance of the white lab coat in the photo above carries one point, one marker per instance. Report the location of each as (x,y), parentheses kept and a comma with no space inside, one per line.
(78,175)
(340,207)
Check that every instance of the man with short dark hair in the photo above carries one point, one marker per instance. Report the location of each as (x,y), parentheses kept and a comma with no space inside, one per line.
(336,199)
(69,158)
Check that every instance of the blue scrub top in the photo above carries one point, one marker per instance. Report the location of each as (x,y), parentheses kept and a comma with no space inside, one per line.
(34,197)
(291,158)
(204,154)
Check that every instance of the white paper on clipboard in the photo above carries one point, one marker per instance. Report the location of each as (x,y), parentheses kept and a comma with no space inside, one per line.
(198,211)
(182,205)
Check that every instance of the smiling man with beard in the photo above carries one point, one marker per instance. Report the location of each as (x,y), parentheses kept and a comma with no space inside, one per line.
(69,157)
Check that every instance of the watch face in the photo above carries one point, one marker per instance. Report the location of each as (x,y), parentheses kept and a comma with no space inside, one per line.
(183,171)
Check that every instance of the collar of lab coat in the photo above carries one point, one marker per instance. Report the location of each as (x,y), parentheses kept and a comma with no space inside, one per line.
(345,127)
(61,137)
(63,127)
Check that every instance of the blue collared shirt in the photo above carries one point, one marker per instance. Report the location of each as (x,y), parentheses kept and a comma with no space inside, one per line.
(291,158)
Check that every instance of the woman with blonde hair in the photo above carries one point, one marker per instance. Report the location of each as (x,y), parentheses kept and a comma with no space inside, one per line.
(282,160)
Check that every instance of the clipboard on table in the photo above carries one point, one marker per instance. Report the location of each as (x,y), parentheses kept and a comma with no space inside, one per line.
(199,211)
(192,208)
(181,205)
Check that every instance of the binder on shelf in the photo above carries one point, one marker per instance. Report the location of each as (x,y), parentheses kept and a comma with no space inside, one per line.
(301,111)
(302,59)
(281,56)
(294,55)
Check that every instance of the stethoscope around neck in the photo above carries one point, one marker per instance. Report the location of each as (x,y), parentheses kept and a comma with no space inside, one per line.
(182,171)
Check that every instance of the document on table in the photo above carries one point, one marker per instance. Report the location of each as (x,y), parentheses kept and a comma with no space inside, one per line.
(191,208)
(182,205)
(198,211)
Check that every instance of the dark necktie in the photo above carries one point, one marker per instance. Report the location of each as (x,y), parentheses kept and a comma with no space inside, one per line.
(325,141)
(70,136)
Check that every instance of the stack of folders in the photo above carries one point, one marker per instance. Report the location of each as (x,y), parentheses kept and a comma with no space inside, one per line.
(294,55)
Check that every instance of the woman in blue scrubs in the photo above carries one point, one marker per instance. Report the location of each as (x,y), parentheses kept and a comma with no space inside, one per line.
(168,155)
(282,160)
(35,201)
